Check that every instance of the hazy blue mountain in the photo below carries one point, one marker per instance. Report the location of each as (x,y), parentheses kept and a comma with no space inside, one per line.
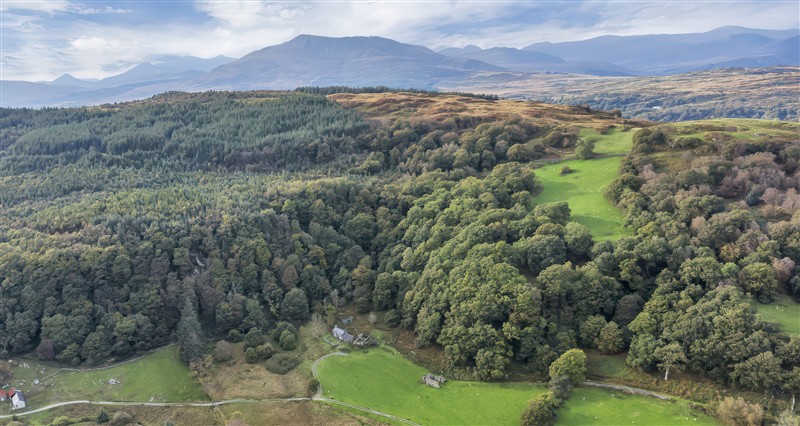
(30,94)
(169,68)
(67,80)
(523,60)
(668,53)
(358,61)
(144,80)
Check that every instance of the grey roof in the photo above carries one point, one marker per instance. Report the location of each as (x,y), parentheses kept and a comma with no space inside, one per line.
(19,395)
(342,334)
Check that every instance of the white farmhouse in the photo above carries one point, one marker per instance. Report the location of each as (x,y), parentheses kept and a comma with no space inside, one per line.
(17,400)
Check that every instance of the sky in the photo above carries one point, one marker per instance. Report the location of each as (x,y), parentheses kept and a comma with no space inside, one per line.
(41,40)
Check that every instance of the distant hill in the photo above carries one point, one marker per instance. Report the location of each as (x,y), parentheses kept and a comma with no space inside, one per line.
(358,61)
(523,60)
(374,61)
(677,53)
(146,79)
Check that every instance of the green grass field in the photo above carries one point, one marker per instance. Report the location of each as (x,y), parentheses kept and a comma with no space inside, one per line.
(606,407)
(613,142)
(159,377)
(783,311)
(383,380)
(583,190)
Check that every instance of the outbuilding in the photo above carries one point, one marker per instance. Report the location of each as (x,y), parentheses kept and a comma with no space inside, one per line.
(3,395)
(17,400)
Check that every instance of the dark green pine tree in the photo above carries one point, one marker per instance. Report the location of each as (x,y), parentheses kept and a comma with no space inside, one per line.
(190,334)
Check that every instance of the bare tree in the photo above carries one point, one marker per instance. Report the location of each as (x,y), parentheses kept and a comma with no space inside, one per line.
(317,325)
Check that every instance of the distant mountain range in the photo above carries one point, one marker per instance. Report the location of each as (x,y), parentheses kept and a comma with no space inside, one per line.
(368,61)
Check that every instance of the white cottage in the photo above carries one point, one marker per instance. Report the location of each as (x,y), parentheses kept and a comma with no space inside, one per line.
(17,400)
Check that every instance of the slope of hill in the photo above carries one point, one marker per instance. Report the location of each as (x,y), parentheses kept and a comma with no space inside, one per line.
(766,93)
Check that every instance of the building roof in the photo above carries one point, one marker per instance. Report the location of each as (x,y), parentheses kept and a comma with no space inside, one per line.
(341,334)
(18,396)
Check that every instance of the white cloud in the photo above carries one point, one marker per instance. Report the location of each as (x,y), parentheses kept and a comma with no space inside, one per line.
(57,6)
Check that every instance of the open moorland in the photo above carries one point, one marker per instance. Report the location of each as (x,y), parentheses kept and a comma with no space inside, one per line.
(766,93)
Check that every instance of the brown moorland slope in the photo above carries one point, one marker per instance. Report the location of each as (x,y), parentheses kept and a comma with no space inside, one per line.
(765,93)
(390,106)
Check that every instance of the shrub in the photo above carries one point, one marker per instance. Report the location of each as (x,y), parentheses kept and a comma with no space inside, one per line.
(61,421)
(571,364)
(738,412)
(288,341)
(280,328)
(282,363)
(121,418)
(565,170)
(235,336)
(539,412)
(265,351)
(223,351)
(392,318)
(560,386)
(250,356)
(254,338)
(102,417)
(585,149)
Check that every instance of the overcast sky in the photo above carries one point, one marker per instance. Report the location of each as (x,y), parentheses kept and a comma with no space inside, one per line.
(93,39)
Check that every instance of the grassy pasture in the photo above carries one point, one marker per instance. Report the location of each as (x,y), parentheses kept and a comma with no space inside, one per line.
(159,376)
(783,311)
(593,406)
(383,380)
(614,142)
(583,190)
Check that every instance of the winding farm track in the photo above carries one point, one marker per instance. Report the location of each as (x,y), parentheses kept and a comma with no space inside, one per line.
(317,397)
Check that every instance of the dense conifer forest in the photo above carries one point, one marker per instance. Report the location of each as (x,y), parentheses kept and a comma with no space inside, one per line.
(231,213)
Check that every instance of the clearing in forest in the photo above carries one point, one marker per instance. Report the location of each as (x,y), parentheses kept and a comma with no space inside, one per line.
(381,379)
(784,311)
(594,406)
(583,188)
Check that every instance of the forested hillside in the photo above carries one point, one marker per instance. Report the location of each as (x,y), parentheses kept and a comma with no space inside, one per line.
(227,213)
